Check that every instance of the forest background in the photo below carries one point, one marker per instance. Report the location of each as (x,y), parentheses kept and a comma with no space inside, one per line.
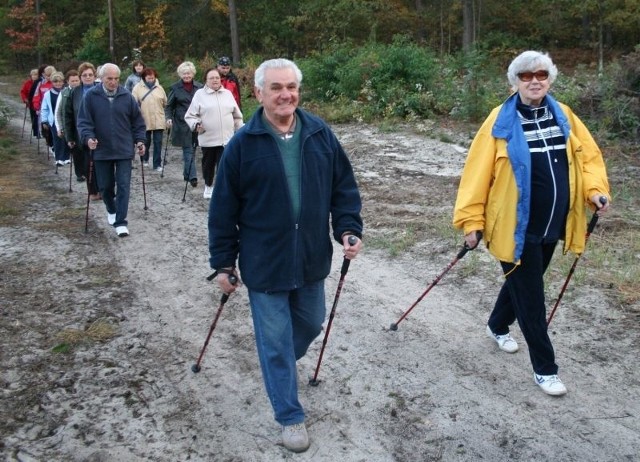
(414,69)
(362,60)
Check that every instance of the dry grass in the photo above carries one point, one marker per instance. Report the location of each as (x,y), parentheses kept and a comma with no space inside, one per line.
(99,330)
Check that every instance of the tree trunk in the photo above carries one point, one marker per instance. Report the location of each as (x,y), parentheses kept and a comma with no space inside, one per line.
(111,52)
(233,25)
(467,23)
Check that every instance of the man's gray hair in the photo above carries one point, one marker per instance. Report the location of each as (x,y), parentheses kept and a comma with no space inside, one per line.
(530,61)
(106,66)
(279,63)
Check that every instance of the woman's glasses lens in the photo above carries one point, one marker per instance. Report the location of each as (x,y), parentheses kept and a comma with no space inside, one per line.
(528,76)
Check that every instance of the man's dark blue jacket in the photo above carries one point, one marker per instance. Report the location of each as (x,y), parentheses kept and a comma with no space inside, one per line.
(117,124)
(251,215)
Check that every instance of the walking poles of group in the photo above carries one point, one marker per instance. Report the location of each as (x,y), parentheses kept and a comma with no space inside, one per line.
(70,170)
(144,187)
(590,227)
(313,381)
(233,280)
(461,253)
(24,122)
(90,178)
(186,183)
(166,150)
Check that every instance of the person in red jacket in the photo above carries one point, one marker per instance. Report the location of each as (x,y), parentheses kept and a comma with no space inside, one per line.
(27,98)
(229,79)
(44,86)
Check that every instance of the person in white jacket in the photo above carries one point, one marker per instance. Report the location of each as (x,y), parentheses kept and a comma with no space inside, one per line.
(215,116)
(47,118)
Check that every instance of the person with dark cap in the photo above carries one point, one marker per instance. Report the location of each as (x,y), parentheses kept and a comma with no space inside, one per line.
(229,79)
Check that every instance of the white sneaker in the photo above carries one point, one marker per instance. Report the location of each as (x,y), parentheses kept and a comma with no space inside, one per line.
(158,169)
(505,342)
(111,218)
(295,437)
(67,162)
(208,192)
(550,384)
(122,231)
(146,164)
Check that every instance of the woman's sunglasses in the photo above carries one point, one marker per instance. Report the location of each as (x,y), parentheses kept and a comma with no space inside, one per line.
(528,76)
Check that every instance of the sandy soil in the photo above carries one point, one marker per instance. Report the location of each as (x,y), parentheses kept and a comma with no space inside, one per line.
(98,334)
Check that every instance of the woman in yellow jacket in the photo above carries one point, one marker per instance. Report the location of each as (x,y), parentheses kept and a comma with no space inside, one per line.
(152,100)
(531,171)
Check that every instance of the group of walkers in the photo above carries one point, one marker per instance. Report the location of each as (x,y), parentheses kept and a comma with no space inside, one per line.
(284,179)
(71,119)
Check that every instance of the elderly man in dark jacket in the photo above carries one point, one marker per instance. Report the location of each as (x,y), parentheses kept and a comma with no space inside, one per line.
(282,179)
(110,123)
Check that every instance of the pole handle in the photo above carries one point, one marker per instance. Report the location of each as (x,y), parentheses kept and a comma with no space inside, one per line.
(345,261)
(594,218)
(465,248)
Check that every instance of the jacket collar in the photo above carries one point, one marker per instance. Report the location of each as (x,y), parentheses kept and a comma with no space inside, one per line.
(507,118)
(309,122)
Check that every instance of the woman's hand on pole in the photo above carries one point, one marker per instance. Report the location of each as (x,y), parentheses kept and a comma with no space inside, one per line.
(472,239)
(601,202)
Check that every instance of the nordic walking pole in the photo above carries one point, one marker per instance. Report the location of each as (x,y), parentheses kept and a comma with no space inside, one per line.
(233,280)
(186,183)
(590,227)
(166,149)
(86,216)
(24,122)
(314,382)
(461,253)
(70,169)
(144,188)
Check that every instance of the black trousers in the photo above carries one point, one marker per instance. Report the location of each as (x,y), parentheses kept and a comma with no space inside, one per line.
(78,161)
(211,156)
(522,298)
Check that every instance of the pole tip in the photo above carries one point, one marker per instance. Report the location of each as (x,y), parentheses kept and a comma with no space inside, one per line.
(195,368)
(314,382)
(393,327)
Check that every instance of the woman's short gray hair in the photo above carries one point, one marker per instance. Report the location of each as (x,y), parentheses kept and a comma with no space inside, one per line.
(279,63)
(186,66)
(530,61)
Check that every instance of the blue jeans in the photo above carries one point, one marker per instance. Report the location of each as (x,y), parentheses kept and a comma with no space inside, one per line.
(60,148)
(285,324)
(189,163)
(156,135)
(114,183)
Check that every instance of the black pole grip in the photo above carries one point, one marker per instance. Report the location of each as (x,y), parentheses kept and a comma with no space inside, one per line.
(345,261)
(594,218)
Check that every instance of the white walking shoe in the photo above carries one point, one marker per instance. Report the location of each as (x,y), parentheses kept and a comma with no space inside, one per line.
(122,231)
(295,437)
(550,384)
(505,342)
(208,192)
(111,218)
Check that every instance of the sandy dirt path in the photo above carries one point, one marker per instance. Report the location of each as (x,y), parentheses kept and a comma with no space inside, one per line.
(436,390)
